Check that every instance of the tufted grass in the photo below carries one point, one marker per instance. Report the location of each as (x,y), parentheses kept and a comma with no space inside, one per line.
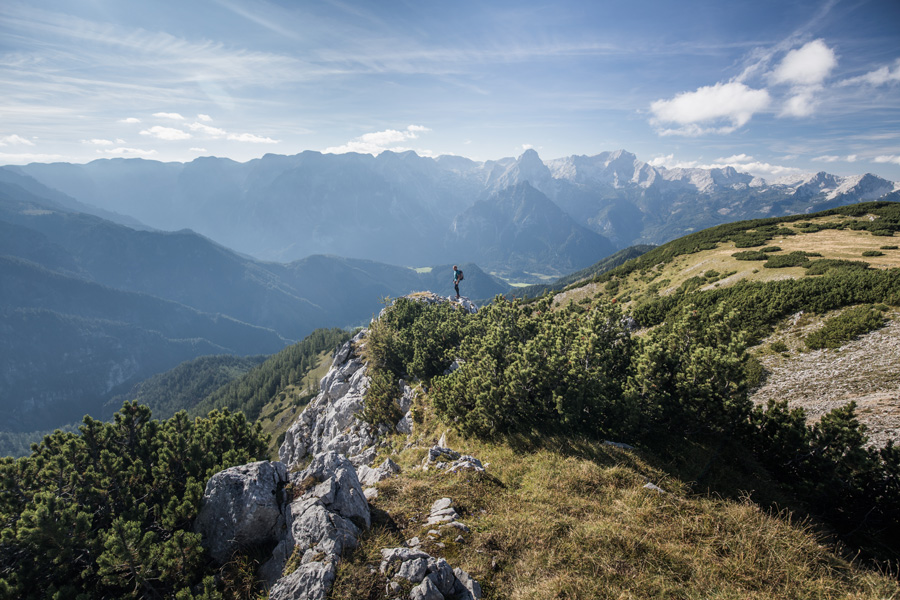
(571,519)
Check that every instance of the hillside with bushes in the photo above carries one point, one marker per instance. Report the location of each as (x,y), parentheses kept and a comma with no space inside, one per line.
(622,451)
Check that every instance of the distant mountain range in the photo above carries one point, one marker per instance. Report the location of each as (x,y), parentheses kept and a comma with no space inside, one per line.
(119,269)
(401,208)
(88,307)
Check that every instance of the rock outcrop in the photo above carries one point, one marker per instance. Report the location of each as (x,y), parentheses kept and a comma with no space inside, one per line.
(434,578)
(322,523)
(329,423)
(242,507)
(311,516)
(452,461)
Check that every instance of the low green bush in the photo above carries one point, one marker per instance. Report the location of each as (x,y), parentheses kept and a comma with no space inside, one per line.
(873,253)
(793,259)
(750,255)
(846,326)
(822,266)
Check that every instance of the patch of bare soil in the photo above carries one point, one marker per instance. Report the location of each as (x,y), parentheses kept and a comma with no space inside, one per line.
(866,370)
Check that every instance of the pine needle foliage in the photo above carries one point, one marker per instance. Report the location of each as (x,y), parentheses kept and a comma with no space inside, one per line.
(108,512)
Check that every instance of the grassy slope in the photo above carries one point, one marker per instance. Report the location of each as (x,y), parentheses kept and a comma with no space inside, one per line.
(572,519)
(280,412)
(829,378)
(665,276)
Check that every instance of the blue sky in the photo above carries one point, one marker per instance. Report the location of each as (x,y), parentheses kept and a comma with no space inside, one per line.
(772,88)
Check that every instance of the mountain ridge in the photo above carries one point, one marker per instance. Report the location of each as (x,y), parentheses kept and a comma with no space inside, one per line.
(283,208)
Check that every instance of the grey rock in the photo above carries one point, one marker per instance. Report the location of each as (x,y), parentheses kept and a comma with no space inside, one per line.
(654,488)
(405,425)
(329,422)
(413,570)
(242,506)
(324,522)
(426,590)
(370,494)
(441,573)
(311,581)
(466,588)
(391,555)
(618,445)
(441,504)
(369,476)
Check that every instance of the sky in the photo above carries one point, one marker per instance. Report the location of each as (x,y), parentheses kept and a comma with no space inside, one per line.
(772,88)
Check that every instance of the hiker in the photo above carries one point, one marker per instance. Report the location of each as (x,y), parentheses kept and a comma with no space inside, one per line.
(457,277)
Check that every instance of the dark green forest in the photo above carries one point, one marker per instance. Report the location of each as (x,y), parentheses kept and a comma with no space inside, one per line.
(250,393)
(189,383)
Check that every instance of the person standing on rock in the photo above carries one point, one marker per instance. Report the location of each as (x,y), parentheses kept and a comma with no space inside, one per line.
(457,277)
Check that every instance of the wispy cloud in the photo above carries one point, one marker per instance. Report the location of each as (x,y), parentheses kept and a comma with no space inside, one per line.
(885,75)
(214,132)
(168,115)
(893,158)
(831,158)
(377,142)
(15,140)
(129,152)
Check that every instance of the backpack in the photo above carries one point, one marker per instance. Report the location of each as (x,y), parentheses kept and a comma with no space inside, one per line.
(459,275)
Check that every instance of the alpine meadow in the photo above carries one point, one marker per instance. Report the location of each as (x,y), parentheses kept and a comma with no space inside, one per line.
(462,301)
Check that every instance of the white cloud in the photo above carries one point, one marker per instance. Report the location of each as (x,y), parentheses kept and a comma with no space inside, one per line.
(731,103)
(377,142)
(205,118)
(880,76)
(809,65)
(207,130)
(740,162)
(166,133)
(128,152)
(99,142)
(15,140)
(802,104)
(527,146)
(198,150)
(251,138)
(130,120)
(165,115)
(887,159)
(669,162)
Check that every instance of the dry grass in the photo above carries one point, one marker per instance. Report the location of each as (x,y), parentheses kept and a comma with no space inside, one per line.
(831,243)
(576,522)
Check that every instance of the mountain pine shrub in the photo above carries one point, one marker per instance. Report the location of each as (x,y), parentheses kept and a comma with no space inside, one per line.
(846,326)
(108,512)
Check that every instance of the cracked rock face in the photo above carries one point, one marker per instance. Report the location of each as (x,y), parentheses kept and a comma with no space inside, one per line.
(329,423)
(320,525)
(242,506)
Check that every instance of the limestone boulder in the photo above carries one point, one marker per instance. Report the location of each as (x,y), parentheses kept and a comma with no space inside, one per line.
(241,507)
